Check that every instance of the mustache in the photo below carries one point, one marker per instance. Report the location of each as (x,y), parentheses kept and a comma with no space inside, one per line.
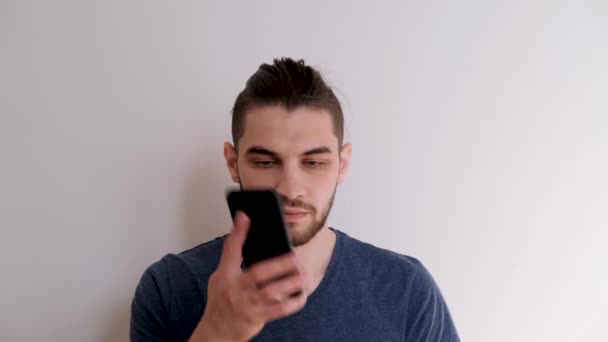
(297,203)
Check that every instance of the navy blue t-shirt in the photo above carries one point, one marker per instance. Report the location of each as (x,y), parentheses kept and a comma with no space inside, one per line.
(367,294)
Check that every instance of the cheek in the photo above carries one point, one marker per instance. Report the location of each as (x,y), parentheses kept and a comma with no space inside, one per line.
(324,182)
(322,188)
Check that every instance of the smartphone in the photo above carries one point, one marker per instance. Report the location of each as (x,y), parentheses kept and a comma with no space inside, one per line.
(267,237)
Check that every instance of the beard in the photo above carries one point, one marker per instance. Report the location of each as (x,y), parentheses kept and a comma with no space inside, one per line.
(305,234)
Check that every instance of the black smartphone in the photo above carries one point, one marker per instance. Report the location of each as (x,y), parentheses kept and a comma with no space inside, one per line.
(267,237)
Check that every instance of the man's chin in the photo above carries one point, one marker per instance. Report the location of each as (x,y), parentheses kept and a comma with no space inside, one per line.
(300,233)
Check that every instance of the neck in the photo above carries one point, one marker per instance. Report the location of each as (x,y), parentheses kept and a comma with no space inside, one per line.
(314,257)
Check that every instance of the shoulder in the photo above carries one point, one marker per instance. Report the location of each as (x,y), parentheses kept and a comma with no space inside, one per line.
(378,261)
(388,271)
(198,262)
(205,256)
(173,289)
(405,280)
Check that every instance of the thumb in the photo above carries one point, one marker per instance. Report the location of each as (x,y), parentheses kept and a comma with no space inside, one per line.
(232,253)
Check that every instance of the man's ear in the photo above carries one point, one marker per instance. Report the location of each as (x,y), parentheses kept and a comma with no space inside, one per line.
(345,154)
(231,161)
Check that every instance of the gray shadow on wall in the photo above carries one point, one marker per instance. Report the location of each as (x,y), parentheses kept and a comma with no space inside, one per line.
(205,216)
(118,325)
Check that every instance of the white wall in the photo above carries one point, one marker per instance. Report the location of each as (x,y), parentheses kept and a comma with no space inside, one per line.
(479,131)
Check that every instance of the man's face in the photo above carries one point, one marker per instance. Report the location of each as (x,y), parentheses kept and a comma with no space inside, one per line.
(296,154)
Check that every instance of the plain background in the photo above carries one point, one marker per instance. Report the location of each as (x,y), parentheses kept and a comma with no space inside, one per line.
(479,131)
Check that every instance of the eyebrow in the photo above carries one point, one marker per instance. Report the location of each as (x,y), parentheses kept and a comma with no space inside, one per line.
(264,151)
(260,150)
(318,150)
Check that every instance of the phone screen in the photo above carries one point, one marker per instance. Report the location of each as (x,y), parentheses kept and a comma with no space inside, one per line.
(267,236)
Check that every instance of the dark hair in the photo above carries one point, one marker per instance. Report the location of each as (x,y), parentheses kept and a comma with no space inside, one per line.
(290,84)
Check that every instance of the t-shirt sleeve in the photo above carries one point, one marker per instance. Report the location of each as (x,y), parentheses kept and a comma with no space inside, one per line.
(428,318)
(149,312)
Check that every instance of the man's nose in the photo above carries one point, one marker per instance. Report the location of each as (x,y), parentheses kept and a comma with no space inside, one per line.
(290,182)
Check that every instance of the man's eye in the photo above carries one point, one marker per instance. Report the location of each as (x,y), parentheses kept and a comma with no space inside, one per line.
(263,163)
(314,163)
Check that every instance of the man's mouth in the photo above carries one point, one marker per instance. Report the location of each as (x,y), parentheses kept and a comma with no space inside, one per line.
(294,215)
(290,211)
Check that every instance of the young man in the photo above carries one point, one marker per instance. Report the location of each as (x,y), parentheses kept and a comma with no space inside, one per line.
(287,129)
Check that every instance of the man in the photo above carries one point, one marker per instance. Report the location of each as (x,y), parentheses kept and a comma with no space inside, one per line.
(287,129)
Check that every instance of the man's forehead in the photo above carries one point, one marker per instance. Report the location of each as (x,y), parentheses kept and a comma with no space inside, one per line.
(297,131)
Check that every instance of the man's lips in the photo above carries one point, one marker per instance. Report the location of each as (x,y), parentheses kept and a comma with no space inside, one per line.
(294,211)
(294,215)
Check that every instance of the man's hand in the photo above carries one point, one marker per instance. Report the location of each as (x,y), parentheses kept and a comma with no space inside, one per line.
(240,303)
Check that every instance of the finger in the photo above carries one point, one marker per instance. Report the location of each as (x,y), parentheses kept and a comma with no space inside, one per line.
(232,251)
(285,308)
(280,290)
(272,269)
